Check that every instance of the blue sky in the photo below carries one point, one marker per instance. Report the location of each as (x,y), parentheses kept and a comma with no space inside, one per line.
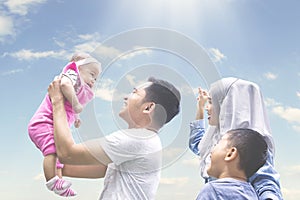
(257,40)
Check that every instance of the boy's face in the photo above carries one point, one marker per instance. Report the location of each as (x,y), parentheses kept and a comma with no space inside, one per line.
(218,155)
(89,73)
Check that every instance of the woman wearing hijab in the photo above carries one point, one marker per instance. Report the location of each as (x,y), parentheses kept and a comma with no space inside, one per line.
(234,103)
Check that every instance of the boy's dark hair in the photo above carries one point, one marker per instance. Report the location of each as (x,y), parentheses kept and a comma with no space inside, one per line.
(251,147)
(166,95)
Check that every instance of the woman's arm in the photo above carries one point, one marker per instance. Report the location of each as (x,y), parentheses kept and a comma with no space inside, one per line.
(197,126)
(196,134)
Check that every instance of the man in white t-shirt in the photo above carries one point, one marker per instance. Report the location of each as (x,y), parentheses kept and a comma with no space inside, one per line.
(130,159)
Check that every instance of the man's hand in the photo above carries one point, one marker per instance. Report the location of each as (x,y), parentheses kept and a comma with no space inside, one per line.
(54,91)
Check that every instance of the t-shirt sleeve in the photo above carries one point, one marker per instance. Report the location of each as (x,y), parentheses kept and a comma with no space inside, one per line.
(120,147)
(70,71)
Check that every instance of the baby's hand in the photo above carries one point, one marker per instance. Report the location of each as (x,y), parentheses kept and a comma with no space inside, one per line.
(78,108)
(77,123)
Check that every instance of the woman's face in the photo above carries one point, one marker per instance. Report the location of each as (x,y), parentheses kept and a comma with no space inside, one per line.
(213,118)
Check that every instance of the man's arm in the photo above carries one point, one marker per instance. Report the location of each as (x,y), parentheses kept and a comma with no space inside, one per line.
(67,151)
(84,171)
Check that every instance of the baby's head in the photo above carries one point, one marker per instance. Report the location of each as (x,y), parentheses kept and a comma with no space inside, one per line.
(89,68)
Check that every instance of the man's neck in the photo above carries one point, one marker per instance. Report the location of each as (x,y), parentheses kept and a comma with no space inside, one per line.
(148,127)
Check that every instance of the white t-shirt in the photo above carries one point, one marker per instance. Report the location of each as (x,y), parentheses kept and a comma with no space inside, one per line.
(136,164)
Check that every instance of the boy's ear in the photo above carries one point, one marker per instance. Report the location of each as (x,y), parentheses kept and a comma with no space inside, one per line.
(231,154)
(149,107)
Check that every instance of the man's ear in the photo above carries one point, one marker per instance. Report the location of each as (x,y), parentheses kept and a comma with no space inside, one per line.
(149,107)
(231,154)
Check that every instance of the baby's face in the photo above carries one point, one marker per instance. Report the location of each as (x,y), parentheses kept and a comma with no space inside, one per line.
(89,73)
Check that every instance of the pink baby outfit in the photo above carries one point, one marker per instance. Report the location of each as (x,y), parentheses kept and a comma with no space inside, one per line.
(40,127)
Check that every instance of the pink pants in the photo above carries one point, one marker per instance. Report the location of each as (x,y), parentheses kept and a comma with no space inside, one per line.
(44,141)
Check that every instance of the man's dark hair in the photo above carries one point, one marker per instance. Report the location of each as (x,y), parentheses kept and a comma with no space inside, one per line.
(166,95)
(251,147)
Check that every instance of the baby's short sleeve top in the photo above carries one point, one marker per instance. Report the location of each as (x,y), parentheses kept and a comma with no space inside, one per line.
(71,71)
(83,92)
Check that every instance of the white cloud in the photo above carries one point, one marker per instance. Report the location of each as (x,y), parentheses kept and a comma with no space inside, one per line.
(293,169)
(291,172)
(186,89)
(87,47)
(291,194)
(271,102)
(296,128)
(27,54)
(288,113)
(131,79)
(298,94)
(111,52)
(6,27)
(194,162)
(174,181)
(59,43)
(16,9)
(107,92)
(39,177)
(4,172)
(135,52)
(216,54)
(92,36)
(270,76)
(21,7)
(107,52)
(14,71)
(171,153)
(86,43)
(82,42)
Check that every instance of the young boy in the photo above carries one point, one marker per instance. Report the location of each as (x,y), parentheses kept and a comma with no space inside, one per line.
(237,156)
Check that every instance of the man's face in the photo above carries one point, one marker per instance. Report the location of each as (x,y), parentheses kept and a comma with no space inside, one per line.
(218,155)
(134,105)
